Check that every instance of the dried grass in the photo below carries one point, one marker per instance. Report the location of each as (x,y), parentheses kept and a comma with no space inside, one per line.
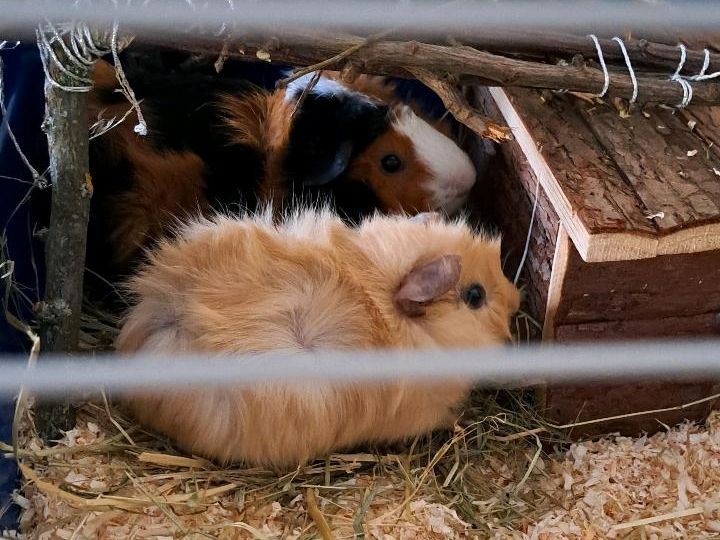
(466,484)
(490,478)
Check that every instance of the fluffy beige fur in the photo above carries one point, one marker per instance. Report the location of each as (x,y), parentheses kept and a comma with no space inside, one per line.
(244,285)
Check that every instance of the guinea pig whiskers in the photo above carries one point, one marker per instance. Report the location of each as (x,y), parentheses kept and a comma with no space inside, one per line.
(441,119)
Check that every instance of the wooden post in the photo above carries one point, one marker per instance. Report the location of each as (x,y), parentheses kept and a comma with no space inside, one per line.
(66,126)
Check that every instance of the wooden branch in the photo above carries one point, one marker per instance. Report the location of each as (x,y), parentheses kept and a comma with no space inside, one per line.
(331,61)
(458,106)
(396,58)
(642,53)
(66,121)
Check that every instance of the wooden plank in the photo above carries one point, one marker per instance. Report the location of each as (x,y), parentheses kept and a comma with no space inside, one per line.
(557,279)
(604,194)
(587,192)
(666,286)
(573,404)
(664,162)
(705,324)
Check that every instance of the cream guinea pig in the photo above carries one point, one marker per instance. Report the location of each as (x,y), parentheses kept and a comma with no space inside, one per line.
(310,282)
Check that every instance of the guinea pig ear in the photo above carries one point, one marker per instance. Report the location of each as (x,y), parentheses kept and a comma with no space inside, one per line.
(333,167)
(426,283)
(330,127)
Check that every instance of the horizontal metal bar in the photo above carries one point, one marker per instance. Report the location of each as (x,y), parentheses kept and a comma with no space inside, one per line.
(428,17)
(508,366)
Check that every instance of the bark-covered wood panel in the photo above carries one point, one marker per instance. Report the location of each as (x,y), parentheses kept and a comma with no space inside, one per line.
(706,324)
(588,177)
(573,404)
(625,186)
(664,161)
(663,287)
(705,122)
(671,296)
(613,191)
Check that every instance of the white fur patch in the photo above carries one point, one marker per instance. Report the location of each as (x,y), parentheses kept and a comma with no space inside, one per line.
(324,87)
(452,174)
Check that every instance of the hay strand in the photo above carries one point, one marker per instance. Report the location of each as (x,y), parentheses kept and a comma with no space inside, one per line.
(316,515)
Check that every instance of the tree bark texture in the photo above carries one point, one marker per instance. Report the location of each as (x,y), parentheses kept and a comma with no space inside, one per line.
(65,124)
(399,58)
(643,53)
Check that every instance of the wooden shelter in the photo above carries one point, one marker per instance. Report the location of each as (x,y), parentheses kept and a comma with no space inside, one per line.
(625,242)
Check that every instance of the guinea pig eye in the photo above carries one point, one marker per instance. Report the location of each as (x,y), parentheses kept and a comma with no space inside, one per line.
(391,163)
(474,296)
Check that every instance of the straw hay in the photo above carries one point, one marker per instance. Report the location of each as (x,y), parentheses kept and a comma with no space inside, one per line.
(490,478)
(102,483)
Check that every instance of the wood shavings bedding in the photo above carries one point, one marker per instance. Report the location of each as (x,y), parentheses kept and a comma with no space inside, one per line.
(662,487)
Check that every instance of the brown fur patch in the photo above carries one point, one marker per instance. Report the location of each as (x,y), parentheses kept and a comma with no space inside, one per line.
(165,186)
(377,87)
(262,121)
(103,76)
(399,191)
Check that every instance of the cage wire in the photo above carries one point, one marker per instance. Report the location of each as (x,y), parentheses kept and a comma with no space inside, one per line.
(430,17)
(492,367)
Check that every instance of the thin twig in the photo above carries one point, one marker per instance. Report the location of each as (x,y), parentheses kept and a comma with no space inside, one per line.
(536,431)
(306,91)
(316,515)
(324,64)
(458,106)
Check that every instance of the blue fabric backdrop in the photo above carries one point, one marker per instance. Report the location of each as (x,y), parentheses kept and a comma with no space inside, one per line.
(23,97)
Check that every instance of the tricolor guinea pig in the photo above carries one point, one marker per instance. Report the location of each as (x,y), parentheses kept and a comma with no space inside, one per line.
(311,282)
(218,143)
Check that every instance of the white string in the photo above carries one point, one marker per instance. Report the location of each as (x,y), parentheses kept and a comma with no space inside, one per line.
(706,64)
(683,56)
(141,127)
(79,62)
(601,58)
(76,56)
(529,234)
(630,68)
(77,42)
(48,55)
(686,86)
(687,92)
(684,82)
